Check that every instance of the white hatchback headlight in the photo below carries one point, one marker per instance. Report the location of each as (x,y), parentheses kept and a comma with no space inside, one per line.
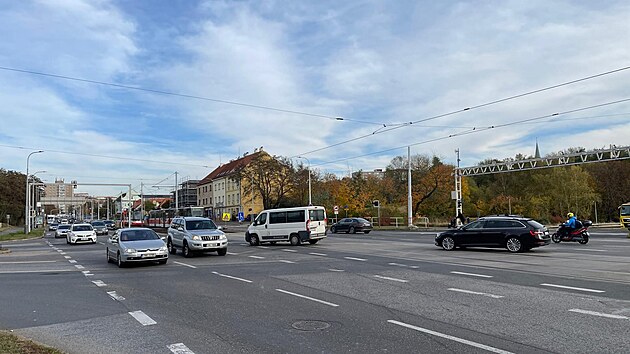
(130,250)
(163,249)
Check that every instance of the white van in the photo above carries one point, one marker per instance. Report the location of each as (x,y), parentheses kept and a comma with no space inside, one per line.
(295,225)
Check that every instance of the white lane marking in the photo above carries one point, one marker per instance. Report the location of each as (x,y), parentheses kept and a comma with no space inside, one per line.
(318,254)
(456,339)
(231,277)
(473,274)
(27,262)
(62,252)
(233,254)
(72,261)
(99,283)
(397,264)
(87,273)
(263,246)
(287,250)
(142,318)
(589,249)
(184,264)
(393,279)
(355,259)
(179,348)
(336,270)
(476,293)
(414,267)
(285,261)
(257,257)
(78,266)
(617,317)
(58,250)
(67,257)
(308,298)
(115,296)
(573,288)
(101,243)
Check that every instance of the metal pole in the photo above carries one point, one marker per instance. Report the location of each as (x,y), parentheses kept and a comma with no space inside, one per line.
(596,212)
(176,195)
(27,207)
(129,208)
(409,201)
(142,202)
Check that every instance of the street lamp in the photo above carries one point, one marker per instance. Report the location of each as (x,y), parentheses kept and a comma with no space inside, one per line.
(32,197)
(309,178)
(27,219)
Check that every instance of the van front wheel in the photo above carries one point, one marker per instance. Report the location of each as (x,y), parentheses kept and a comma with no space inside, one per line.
(295,240)
(253,240)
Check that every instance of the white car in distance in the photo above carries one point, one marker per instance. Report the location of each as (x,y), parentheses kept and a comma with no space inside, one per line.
(81,233)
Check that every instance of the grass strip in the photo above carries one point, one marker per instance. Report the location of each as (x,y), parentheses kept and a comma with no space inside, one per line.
(12,344)
(37,233)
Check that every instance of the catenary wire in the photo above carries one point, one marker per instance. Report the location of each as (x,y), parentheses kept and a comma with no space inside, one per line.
(401,125)
(475,130)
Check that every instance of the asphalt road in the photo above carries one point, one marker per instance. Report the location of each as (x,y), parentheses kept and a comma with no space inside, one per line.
(391,292)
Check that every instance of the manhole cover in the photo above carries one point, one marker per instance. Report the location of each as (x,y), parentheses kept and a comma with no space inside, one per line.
(310,325)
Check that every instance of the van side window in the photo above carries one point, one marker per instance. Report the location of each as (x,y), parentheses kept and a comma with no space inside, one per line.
(295,216)
(278,217)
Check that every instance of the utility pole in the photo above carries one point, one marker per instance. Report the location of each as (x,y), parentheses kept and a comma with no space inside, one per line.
(176,195)
(458,191)
(142,202)
(409,201)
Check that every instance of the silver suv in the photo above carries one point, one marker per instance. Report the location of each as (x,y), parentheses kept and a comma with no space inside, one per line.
(195,234)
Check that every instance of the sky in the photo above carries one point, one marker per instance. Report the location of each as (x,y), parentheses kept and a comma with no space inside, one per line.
(129,92)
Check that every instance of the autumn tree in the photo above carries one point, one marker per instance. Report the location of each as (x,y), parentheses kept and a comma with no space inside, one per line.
(272,178)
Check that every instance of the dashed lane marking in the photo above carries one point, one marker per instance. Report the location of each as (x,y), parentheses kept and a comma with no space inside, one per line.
(593,313)
(453,338)
(142,318)
(179,348)
(473,274)
(288,250)
(115,296)
(256,257)
(67,257)
(336,270)
(184,264)
(99,283)
(355,259)
(285,261)
(398,264)
(263,247)
(101,243)
(476,293)
(573,288)
(308,298)
(231,277)
(392,279)
(318,254)
(78,266)
(233,254)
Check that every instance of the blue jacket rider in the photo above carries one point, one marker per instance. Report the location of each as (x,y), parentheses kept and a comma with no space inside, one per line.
(571,222)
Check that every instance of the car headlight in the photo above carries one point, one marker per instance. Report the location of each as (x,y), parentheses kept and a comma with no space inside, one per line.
(130,250)
(196,238)
(223,237)
(163,249)
(93,233)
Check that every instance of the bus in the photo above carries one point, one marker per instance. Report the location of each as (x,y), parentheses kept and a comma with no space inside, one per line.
(624,215)
(163,217)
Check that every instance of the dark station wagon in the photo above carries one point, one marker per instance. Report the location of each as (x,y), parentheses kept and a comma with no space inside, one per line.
(516,233)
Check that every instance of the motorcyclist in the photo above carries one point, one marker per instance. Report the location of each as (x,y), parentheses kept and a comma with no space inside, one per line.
(569,225)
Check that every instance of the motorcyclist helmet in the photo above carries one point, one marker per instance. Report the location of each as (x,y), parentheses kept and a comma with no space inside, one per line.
(570,215)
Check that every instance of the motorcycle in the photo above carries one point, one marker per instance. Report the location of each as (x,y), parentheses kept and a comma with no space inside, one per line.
(579,234)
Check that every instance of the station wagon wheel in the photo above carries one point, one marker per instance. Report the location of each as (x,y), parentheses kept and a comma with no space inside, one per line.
(333,230)
(514,245)
(295,240)
(186,250)
(448,243)
(352,230)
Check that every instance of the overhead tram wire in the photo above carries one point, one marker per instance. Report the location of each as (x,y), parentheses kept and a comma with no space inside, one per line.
(401,125)
(478,130)
(105,156)
(168,93)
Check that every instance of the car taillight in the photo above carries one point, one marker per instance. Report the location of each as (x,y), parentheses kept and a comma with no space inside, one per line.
(537,234)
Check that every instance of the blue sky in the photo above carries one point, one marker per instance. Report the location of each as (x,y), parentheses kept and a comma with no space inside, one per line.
(371,62)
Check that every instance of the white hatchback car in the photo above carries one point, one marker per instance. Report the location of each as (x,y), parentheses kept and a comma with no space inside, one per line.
(81,233)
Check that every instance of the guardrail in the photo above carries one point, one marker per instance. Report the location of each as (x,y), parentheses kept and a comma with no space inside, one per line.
(395,221)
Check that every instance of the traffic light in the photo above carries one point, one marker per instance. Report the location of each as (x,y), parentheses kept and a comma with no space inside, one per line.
(376,203)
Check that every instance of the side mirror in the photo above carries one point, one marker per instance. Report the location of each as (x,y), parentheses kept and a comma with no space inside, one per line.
(163,238)
(219,227)
(113,240)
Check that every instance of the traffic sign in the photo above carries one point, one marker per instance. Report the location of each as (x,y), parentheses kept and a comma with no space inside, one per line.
(241,216)
(336,209)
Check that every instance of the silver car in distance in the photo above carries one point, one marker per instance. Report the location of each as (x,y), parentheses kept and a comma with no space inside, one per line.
(138,244)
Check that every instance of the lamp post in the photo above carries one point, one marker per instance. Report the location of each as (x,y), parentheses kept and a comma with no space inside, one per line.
(27,219)
(309,178)
(32,197)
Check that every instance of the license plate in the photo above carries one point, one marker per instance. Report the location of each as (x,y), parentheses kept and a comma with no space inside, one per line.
(84,238)
(148,255)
